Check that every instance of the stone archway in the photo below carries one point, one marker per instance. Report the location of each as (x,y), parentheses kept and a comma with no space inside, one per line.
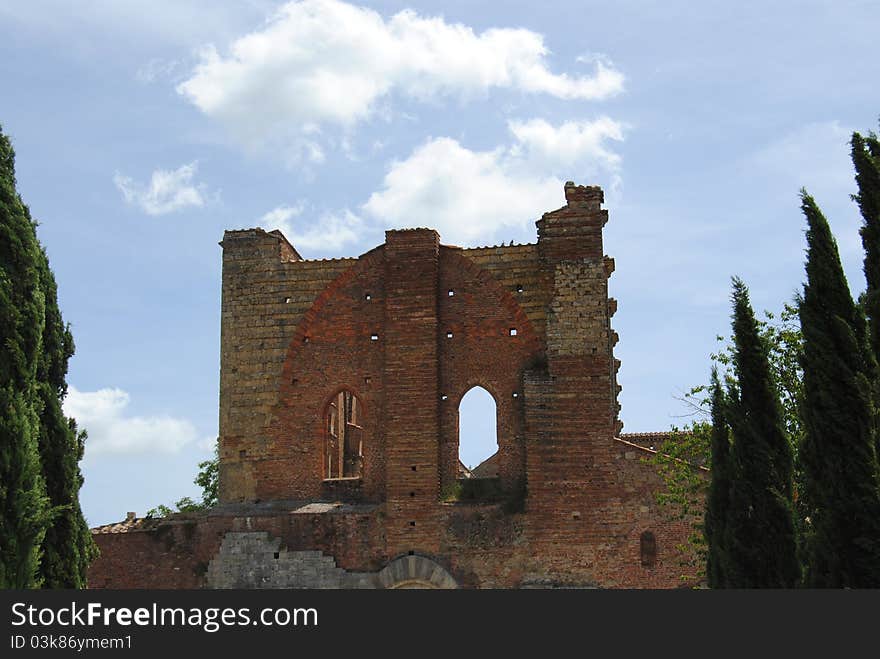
(415,572)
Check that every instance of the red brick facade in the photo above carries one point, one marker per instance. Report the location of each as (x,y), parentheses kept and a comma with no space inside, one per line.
(408,328)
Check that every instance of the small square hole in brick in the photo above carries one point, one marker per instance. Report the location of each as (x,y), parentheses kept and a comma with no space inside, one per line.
(512,331)
(516,394)
(368,297)
(294,381)
(374,337)
(242,453)
(412,523)
(368,380)
(448,335)
(287,300)
(450,292)
(519,288)
(276,555)
(444,397)
(412,494)
(306,339)
(413,467)
(411,553)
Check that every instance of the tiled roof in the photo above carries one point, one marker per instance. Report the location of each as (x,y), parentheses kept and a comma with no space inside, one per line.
(650,440)
(131,523)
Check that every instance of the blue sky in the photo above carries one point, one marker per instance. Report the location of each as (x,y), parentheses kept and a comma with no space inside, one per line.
(144,129)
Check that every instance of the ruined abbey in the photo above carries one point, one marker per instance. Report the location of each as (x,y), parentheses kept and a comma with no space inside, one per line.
(340,383)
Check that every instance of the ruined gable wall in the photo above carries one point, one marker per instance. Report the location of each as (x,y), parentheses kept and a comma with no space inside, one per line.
(295,332)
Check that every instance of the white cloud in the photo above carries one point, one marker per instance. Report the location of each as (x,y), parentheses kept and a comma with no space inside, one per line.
(570,143)
(167,191)
(320,62)
(111,431)
(330,231)
(470,196)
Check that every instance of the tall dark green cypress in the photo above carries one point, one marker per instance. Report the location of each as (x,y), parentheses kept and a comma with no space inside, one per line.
(838,450)
(718,498)
(68,547)
(24,506)
(40,449)
(866,160)
(759,534)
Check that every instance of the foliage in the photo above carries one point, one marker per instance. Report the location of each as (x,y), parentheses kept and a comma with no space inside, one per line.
(680,460)
(26,301)
(68,548)
(759,544)
(866,161)
(208,479)
(782,335)
(718,498)
(838,451)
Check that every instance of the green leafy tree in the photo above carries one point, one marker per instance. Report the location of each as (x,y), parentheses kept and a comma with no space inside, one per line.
(760,548)
(208,479)
(838,449)
(718,498)
(680,462)
(24,506)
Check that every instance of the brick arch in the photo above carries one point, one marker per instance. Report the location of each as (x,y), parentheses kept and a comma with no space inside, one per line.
(471,383)
(338,390)
(369,261)
(492,289)
(415,571)
(482,353)
(338,356)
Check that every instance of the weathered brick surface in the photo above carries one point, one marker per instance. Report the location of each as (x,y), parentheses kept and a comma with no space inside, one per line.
(409,328)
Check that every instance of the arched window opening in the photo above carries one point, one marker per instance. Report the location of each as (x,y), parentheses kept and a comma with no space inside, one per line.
(477,434)
(648,549)
(344,437)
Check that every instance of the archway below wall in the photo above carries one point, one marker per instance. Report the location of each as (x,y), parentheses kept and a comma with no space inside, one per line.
(407,572)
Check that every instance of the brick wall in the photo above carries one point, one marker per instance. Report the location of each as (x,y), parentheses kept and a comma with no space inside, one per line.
(408,328)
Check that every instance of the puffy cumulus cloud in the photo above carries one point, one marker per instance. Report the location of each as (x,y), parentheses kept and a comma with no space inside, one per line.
(167,191)
(472,196)
(570,143)
(112,431)
(328,62)
(329,232)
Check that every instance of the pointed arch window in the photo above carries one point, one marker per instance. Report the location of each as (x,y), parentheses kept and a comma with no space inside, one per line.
(343,437)
(477,433)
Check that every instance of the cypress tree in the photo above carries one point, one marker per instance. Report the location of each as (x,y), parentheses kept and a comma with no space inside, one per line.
(866,160)
(838,450)
(24,507)
(44,538)
(759,534)
(718,498)
(68,547)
